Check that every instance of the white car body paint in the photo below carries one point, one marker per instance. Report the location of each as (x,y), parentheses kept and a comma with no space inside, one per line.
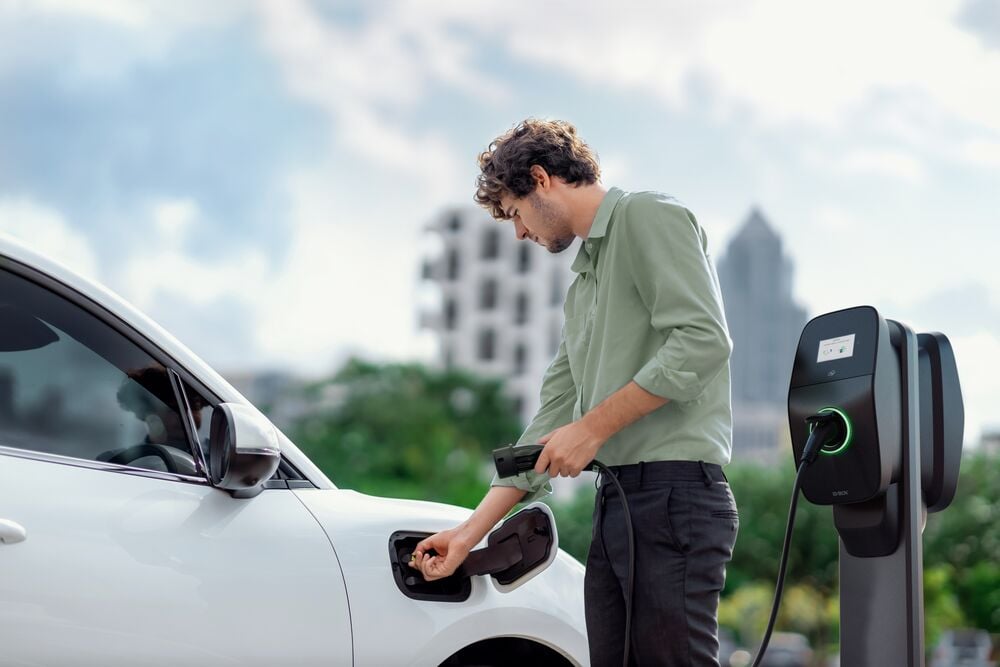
(131,569)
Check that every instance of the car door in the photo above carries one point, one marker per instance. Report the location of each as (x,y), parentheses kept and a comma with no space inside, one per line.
(114,548)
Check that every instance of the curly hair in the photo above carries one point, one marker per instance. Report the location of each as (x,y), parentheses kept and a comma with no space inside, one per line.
(505,167)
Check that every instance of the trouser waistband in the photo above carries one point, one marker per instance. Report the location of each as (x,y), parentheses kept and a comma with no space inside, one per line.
(634,474)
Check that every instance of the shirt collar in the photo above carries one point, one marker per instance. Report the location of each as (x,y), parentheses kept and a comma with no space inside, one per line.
(584,262)
(600,225)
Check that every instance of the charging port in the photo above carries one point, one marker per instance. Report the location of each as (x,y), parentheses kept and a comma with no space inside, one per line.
(455,588)
(841,440)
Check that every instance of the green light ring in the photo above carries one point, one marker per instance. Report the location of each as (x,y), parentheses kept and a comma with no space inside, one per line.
(847,423)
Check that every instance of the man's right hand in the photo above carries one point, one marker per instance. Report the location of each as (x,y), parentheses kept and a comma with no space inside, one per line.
(451,548)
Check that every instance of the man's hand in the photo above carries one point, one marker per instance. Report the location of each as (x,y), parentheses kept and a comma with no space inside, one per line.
(569,449)
(452,549)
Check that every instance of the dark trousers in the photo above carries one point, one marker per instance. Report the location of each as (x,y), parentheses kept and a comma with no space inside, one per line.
(685,523)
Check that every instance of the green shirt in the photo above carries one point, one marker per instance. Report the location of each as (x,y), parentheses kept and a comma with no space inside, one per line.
(645,306)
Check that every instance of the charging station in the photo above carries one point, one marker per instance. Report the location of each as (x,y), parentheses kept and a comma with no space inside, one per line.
(896,398)
(876,421)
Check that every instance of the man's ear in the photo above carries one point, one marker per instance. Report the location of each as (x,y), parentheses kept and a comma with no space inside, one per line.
(541,177)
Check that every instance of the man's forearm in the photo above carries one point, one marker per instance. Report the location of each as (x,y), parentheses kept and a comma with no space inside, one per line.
(494,506)
(621,408)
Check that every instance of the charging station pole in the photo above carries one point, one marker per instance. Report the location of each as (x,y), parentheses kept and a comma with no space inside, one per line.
(895,457)
(882,597)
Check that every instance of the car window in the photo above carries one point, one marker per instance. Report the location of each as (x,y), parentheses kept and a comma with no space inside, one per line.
(72,385)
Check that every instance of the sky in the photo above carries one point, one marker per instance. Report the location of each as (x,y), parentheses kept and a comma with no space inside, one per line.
(257,176)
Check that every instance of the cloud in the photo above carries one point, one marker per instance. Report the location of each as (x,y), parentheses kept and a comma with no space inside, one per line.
(780,60)
(346,285)
(210,121)
(162,266)
(45,231)
(891,163)
(100,42)
(368,77)
(982,18)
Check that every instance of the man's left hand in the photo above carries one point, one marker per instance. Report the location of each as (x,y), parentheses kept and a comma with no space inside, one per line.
(569,449)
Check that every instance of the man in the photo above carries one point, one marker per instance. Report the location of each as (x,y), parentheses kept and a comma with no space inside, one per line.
(640,382)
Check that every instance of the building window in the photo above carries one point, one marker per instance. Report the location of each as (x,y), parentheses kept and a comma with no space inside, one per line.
(524,258)
(450,314)
(455,223)
(487,345)
(449,357)
(520,359)
(488,294)
(491,244)
(521,309)
(557,289)
(453,264)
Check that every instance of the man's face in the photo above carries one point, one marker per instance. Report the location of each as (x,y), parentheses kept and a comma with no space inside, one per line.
(540,219)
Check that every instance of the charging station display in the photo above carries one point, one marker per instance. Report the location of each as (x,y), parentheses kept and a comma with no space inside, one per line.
(840,347)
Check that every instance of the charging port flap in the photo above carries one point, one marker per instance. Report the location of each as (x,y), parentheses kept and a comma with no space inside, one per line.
(518,550)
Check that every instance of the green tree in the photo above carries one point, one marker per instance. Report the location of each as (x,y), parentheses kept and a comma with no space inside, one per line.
(965,537)
(407,431)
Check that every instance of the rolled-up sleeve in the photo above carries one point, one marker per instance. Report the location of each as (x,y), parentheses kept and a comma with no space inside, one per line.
(672,273)
(558,395)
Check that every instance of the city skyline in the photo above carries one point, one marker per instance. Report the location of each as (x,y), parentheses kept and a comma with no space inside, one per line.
(255,176)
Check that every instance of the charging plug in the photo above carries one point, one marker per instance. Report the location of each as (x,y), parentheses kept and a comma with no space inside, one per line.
(826,429)
(514,459)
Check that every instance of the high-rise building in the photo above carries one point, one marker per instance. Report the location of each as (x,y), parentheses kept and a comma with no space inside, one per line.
(501,301)
(764,323)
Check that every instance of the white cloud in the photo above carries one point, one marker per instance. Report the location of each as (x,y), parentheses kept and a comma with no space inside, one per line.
(345,283)
(891,163)
(783,60)
(162,266)
(160,15)
(45,231)
(366,78)
(97,42)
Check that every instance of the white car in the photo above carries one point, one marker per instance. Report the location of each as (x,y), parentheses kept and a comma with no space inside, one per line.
(149,515)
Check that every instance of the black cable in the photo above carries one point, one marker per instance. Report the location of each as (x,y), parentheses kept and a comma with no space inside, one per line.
(631,556)
(515,459)
(781,568)
(824,427)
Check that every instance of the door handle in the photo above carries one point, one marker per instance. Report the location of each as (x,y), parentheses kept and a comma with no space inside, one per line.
(11,532)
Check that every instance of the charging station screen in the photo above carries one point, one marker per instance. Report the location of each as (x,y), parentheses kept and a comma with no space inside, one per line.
(840,347)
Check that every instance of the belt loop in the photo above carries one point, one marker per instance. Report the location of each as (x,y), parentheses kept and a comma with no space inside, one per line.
(641,464)
(704,471)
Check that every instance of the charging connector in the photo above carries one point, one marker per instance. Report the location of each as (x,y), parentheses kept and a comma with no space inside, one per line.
(516,459)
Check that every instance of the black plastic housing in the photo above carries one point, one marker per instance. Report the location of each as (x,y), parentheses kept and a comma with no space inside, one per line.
(942,420)
(865,386)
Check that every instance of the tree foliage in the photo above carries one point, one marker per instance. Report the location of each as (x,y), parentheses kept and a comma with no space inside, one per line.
(407,431)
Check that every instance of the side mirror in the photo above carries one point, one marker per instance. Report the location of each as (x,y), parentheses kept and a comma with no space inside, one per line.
(243,450)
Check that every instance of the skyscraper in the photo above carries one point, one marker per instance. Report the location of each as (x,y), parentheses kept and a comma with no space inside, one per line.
(764,323)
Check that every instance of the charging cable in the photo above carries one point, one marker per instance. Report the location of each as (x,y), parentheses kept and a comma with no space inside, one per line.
(513,460)
(824,429)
